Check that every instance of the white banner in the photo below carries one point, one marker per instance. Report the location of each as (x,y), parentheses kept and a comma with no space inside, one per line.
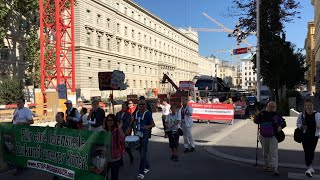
(66,173)
(213,111)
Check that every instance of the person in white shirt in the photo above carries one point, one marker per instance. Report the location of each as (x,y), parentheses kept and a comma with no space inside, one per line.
(165,111)
(215,100)
(190,99)
(84,118)
(21,116)
(173,124)
(186,125)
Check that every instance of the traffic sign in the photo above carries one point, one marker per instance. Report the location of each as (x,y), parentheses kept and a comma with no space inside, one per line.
(240,51)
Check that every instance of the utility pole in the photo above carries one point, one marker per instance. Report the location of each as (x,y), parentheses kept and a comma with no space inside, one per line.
(258,52)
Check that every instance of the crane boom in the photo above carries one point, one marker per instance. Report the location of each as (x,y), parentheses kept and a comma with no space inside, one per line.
(219,24)
(165,78)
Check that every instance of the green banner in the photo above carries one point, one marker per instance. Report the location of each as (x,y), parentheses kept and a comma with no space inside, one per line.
(69,153)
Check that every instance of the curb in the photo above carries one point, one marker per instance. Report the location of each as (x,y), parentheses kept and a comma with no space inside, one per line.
(209,147)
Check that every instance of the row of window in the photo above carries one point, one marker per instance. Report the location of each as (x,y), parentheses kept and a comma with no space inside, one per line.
(253,73)
(153,42)
(154,25)
(124,46)
(102,21)
(146,84)
(124,67)
(253,78)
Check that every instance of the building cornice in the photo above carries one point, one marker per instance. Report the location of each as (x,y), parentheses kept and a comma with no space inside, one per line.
(158,19)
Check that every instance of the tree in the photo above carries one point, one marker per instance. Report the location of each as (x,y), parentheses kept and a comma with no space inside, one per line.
(274,53)
(19,18)
(10,90)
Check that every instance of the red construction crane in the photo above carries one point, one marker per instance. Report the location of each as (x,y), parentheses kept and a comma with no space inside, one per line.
(57,54)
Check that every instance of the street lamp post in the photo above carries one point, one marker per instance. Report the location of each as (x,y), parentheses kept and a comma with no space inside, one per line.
(258,52)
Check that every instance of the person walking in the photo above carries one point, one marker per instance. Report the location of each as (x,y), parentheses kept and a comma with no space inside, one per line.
(309,122)
(143,125)
(165,111)
(96,116)
(186,125)
(72,115)
(173,124)
(21,116)
(125,117)
(270,122)
(114,126)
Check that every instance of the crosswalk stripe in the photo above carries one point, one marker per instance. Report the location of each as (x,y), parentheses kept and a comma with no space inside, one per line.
(301,176)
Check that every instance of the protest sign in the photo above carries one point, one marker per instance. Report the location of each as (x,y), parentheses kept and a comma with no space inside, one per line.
(68,153)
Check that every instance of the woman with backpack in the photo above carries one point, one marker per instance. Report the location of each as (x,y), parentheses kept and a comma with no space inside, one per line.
(270,124)
(114,126)
(309,123)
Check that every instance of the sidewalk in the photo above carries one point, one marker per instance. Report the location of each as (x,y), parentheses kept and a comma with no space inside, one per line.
(240,145)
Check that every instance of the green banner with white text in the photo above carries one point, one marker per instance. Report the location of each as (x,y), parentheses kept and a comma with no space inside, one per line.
(68,153)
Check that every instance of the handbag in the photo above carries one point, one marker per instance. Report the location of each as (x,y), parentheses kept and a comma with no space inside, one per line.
(298,135)
(280,136)
(180,132)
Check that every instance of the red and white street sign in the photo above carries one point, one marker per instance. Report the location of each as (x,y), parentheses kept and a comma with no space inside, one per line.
(215,112)
(240,51)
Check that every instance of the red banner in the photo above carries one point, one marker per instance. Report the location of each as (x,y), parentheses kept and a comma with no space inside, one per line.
(215,112)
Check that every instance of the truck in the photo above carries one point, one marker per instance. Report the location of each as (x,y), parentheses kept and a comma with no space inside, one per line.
(209,86)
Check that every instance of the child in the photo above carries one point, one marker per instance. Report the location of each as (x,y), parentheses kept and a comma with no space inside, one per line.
(60,120)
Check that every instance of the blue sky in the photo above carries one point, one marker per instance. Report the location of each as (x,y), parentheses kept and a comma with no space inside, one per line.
(185,13)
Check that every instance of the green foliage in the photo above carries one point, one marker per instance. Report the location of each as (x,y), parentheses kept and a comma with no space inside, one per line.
(280,63)
(283,107)
(10,90)
(32,58)
(4,11)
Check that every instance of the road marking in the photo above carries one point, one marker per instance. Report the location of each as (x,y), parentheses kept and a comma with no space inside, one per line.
(301,176)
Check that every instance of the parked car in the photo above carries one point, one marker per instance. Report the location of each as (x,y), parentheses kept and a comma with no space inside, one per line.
(305,93)
(252,100)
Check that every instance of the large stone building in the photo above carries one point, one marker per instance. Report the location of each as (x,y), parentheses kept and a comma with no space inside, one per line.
(316,4)
(119,34)
(226,72)
(310,60)
(208,66)
(248,76)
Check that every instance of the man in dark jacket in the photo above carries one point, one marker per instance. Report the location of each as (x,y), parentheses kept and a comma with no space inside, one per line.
(96,116)
(72,115)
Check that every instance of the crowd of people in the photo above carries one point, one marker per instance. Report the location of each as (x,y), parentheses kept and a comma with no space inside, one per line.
(138,121)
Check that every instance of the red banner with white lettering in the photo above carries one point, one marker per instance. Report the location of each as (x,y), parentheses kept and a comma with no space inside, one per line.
(214,112)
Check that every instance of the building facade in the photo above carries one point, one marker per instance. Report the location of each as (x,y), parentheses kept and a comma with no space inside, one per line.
(208,66)
(226,72)
(248,76)
(121,35)
(310,57)
(316,5)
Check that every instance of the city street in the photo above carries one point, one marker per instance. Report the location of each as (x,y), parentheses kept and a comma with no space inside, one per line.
(199,164)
